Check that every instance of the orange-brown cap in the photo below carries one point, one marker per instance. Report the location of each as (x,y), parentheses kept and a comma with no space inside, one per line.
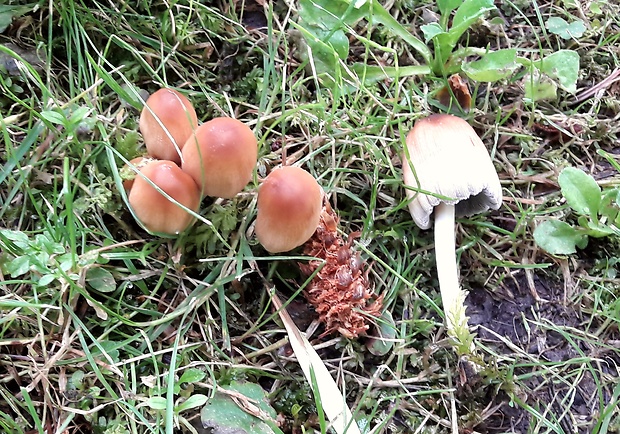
(156,212)
(221,156)
(166,122)
(289,208)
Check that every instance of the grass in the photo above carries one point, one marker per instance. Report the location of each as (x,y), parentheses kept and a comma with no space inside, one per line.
(100,320)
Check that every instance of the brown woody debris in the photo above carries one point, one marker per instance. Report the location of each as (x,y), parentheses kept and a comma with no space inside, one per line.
(340,291)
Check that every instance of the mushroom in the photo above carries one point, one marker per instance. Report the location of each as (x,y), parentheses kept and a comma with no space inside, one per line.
(221,156)
(156,212)
(166,122)
(448,170)
(130,171)
(289,207)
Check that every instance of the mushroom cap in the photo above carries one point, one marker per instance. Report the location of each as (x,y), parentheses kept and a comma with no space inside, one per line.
(449,160)
(289,207)
(221,156)
(174,112)
(154,210)
(130,171)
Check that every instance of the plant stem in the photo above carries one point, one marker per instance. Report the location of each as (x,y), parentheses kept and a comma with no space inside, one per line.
(447,273)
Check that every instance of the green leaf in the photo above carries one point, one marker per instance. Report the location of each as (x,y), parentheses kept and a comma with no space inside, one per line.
(54,117)
(8,13)
(381,341)
(559,238)
(337,41)
(431,31)
(222,414)
(581,191)
(14,241)
(156,402)
(18,266)
(559,26)
(79,115)
(597,230)
(538,88)
(192,375)
(562,66)
(494,66)
(447,6)
(373,73)
(46,279)
(330,14)
(100,279)
(381,16)
(466,15)
(193,401)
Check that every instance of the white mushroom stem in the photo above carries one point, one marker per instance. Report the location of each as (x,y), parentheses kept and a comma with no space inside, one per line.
(445,256)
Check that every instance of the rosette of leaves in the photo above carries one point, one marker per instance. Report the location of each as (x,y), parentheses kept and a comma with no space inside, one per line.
(598,214)
(327,25)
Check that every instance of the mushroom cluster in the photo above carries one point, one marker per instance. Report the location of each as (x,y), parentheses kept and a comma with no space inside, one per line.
(186,162)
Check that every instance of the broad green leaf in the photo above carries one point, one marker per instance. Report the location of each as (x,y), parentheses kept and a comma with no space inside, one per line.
(193,401)
(337,40)
(110,348)
(595,7)
(447,6)
(559,238)
(156,402)
(46,279)
(559,26)
(466,15)
(8,12)
(54,117)
(581,191)
(494,66)
(14,241)
(330,14)
(79,114)
(538,88)
(324,56)
(100,279)
(18,266)
(192,375)
(597,230)
(431,31)
(222,414)
(381,341)
(381,16)
(609,204)
(563,66)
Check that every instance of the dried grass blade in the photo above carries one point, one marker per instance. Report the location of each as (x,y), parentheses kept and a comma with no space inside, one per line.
(331,397)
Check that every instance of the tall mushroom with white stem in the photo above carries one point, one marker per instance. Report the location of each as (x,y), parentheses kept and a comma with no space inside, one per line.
(448,170)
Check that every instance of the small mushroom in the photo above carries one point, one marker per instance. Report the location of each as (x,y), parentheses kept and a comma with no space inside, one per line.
(289,208)
(448,170)
(156,212)
(221,156)
(129,172)
(166,122)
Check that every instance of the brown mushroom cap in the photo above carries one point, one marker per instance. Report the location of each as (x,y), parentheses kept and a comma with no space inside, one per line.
(289,208)
(221,156)
(446,157)
(170,109)
(156,212)
(129,173)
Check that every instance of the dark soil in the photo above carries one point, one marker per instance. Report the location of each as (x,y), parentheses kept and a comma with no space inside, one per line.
(566,393)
